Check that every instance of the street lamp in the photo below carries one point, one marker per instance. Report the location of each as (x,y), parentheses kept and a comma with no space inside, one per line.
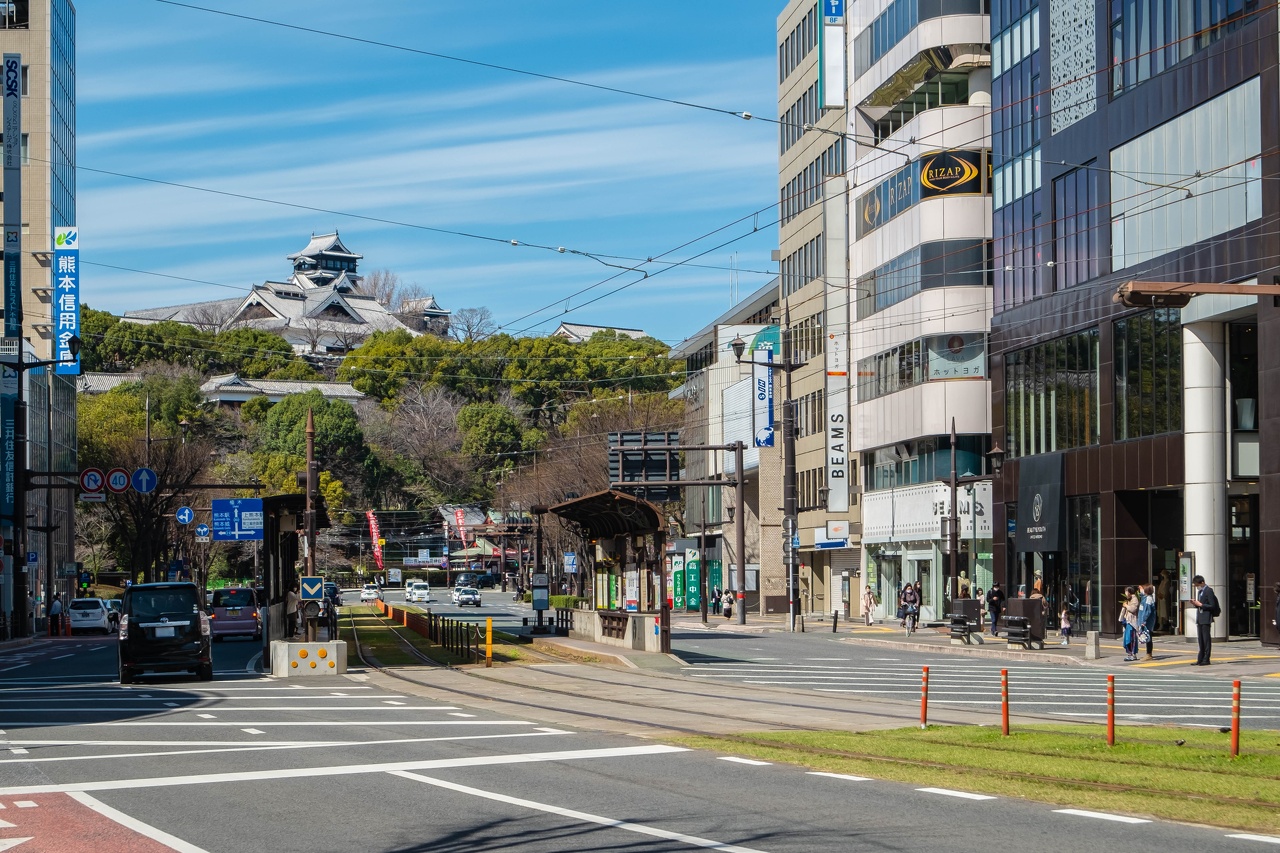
(19,519)
(790,495)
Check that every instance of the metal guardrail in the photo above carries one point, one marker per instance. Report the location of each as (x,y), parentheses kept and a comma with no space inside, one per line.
(460,638)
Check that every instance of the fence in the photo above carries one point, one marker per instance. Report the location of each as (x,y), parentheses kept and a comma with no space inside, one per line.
(459,638)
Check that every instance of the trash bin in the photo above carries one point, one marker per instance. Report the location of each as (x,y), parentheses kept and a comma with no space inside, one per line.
(1031,609)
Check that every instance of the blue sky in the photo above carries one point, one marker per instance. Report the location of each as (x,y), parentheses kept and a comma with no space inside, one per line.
(184,96)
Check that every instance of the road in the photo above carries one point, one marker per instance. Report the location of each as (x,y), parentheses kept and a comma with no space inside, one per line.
(839,665)
(495,604)
(367,762)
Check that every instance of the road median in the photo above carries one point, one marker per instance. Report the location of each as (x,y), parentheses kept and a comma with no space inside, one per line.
(1164,772)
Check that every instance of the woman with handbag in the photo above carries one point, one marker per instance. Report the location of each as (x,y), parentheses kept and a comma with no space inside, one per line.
(1129,619)
(868,605)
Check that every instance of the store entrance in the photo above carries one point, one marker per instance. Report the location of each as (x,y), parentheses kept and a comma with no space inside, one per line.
(1241,606)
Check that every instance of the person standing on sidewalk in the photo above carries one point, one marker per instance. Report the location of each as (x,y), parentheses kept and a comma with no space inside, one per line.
(1129,622)
(1207,609)
(995,605)
(1147,619)
(55,615)
(868,605)
(1276,618)
(726,603)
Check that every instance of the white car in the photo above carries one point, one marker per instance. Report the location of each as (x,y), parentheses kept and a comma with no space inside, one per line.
(467,595)
(89,614)
(418,591)
(370,592)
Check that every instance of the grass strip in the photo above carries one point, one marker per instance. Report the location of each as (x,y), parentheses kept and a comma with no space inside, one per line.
(1146,773)
(379,635)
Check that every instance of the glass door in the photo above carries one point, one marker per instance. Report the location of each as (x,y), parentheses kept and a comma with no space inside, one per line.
(1241,607)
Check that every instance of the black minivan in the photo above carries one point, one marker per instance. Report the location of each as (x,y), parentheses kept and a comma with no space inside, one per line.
(164,629)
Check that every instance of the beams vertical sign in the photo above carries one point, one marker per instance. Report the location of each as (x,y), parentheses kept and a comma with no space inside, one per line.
(66,299)
(835,229)
(12,129)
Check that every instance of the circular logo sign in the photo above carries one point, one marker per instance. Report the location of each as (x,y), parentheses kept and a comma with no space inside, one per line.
(1037,507)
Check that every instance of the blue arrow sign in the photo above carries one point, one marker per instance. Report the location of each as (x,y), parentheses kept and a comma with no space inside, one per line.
(144,481)
(202,530)
(237,519)
(184,515)
(312,589)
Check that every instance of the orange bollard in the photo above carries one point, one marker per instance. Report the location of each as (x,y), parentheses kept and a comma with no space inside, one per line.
(1111,710)
(1004,701)
(924,697)
(1235,719)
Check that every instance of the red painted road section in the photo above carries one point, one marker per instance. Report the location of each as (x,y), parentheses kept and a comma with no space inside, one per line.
(59,824)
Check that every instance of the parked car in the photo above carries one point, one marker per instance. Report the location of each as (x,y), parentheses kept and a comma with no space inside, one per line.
(418,591)
(370,592)
(164,629)
(467,595)
(89,614)
(235,613)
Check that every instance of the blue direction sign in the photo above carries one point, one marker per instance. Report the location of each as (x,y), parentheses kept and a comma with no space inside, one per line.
(144,481)
(237,519)
(312,589)
(184,515)
(202,530)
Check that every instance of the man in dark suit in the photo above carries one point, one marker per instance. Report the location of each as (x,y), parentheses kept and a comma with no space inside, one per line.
(1206,604)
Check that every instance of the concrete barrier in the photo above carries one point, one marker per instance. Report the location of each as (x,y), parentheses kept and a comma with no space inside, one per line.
(298,659)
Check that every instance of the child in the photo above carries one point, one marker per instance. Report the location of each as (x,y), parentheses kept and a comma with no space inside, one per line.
(1064,623)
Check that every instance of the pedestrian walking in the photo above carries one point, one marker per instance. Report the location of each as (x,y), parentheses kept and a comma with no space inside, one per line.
(1207,609)
(995,605)
(1064,624)
(55,615)
(1129,622)
(1147,619)
(726,603)
(868,605)
(1276,618)
(31,614)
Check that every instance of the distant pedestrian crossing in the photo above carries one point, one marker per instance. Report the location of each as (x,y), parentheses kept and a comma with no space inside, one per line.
(1061,691)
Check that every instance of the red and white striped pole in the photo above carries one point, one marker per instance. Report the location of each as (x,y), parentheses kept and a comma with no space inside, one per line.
(1004,701)
(1111,710)
(1235,719)
(924,697)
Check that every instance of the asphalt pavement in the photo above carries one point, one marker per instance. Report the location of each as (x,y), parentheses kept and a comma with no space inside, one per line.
(362,761)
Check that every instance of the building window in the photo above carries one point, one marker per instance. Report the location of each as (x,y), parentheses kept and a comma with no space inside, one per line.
(1151,36)
(1077,227)
(1209,181)
(925,460)
(930,359)
(1051,395)
(940,263)
(900,18)
(1148,371)
(796,46)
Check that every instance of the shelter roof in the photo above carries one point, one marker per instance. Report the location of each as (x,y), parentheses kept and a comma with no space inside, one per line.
(609,513)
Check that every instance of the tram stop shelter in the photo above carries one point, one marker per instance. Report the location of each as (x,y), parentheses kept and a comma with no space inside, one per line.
(623,551)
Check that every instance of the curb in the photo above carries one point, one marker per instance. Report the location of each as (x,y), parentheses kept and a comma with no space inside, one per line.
(967,651)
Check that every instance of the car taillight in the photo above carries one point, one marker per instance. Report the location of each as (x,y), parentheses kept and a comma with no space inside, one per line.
(204,624)
(124,627)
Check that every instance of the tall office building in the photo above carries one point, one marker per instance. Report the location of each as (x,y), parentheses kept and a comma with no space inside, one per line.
(920,211)
(1132,144)
(813,293)
(43,32)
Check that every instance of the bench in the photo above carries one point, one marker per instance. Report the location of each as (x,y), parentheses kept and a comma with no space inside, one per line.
(964,630)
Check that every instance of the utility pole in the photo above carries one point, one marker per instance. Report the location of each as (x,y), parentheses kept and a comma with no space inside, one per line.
(953,533)
(740,529)
(312,489)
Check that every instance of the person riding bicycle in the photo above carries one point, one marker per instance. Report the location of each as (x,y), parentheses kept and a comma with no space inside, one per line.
(911,605)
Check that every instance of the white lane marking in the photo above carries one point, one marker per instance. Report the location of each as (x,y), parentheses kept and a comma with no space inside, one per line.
(1265,839)
(171,704)
(345,769)
(107,708)
(206,716)
(278,723)
(136,825)
(1118,818)
(337,694)
(738,760)
(844,776)
(17,750)
(27,804)
(947,792)
(60,657)
(253,731)
(585,817)
(550,665)
(11,668)
(393,702)
(4,824)
(252,666)
(10,843)
(238,746)
(460,714)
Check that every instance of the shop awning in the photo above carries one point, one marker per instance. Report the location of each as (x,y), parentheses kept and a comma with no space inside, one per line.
(609,513)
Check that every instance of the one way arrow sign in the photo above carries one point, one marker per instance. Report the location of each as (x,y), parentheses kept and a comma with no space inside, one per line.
(312,589)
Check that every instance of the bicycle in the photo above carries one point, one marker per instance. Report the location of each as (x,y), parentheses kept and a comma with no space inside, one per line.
(910,621)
